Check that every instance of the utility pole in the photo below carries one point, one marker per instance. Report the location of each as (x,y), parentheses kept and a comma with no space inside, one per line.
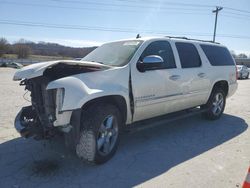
(216,11)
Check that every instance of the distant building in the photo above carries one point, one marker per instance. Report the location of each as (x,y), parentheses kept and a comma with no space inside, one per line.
(243,61)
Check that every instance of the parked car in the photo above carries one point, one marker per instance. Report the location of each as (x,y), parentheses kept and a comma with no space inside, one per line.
(120,84)
(12,65)
(242,72)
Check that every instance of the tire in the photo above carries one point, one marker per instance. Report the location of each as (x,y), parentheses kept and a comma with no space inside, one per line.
(215,105)
(240,76)
(247,76)
(99,136)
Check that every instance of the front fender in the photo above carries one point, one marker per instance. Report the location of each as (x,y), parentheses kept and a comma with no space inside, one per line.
(77,93)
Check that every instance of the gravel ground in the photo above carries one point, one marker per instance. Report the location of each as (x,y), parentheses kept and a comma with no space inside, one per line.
(186,153)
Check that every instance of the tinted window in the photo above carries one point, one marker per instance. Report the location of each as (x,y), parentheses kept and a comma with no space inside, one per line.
(188,54)
(218,56)
(163,49)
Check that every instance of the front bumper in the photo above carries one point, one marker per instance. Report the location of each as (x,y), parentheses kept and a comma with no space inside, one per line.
(26,122)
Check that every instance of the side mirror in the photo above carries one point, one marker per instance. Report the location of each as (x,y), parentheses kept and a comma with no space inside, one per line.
(151,62)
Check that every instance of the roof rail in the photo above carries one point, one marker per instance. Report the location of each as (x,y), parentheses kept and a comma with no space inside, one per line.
(192,39)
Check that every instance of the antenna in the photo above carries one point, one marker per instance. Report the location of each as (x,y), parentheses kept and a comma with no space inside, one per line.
(138,36)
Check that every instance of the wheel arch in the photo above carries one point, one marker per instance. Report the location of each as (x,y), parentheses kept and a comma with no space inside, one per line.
(223,84)
(116,100)
(73,136)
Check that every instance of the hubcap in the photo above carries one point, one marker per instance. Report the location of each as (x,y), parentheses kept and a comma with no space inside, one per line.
(107,135)
(218,103)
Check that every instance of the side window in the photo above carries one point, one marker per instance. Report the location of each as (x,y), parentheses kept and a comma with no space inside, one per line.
(217,55)
(188,54)
(163,49)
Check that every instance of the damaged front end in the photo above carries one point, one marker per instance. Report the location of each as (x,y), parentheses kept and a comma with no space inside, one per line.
(45,117)
(38,119)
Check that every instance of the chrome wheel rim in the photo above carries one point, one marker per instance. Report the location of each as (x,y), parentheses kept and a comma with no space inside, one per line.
(107,135)
(218,103)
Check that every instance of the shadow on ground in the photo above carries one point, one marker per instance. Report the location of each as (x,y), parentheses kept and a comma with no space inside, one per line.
(141,156)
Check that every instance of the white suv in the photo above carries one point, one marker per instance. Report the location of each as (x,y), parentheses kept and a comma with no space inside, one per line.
(121,83)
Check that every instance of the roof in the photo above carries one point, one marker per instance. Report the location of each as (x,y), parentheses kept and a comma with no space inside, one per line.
(174,38)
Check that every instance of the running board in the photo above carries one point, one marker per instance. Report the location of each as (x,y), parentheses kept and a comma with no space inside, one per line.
(152,122)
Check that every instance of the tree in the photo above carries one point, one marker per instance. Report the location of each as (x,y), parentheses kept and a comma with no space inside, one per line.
(242,55)
(22,49)
(3,46)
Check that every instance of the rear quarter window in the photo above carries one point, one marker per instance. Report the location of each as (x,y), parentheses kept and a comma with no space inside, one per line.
(217,55)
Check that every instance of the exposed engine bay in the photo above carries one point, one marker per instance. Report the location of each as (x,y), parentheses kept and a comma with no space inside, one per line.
(39,119)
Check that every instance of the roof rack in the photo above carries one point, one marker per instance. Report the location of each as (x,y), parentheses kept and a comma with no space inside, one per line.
(192,39)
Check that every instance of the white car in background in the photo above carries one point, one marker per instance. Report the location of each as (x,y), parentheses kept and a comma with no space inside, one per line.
(242,72)
(120,84)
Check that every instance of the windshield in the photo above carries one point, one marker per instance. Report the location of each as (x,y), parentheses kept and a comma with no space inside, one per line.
(115,53)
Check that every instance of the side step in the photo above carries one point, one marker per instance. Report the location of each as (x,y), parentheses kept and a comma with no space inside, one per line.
(152,122)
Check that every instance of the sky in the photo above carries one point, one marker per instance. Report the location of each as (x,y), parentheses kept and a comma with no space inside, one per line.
(81,23)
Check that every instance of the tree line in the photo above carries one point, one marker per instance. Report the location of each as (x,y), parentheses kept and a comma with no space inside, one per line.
(24,49)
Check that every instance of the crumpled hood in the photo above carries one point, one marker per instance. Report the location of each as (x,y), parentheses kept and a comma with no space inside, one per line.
(37,69)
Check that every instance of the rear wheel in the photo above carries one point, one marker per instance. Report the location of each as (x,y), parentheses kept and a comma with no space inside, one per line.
(215,105)
(99,134)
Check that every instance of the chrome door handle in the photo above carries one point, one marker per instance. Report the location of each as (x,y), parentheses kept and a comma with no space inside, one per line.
(201,75)
(174,77)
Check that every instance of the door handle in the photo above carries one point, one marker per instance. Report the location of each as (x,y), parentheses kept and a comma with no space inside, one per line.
(174,77)
(201,75)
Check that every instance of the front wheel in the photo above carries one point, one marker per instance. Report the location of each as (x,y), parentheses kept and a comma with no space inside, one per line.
(99,133)
(215,105)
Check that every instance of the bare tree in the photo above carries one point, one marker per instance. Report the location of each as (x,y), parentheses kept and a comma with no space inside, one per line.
(22,50)
(3,46)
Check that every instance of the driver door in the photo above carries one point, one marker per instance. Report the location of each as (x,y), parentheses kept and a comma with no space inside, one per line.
(157,91)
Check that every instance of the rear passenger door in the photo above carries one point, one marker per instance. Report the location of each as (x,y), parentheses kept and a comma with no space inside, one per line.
(193,73)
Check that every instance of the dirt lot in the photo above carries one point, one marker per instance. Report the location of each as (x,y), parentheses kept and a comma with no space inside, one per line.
(187,153)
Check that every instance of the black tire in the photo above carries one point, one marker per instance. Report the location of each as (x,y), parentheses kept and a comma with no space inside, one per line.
(215,107)
(240,76)
(247,76)
(98,137)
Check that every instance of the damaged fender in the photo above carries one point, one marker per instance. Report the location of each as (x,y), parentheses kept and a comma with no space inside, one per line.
(77,93)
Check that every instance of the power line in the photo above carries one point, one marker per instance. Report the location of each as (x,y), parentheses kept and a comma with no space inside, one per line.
(175,10)
(127,5)
(109,10)
(235,17)
(170,3)
(243,15)
(238,10)
(78,27)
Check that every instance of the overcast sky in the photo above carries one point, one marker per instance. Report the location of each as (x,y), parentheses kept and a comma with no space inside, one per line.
(82,23)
